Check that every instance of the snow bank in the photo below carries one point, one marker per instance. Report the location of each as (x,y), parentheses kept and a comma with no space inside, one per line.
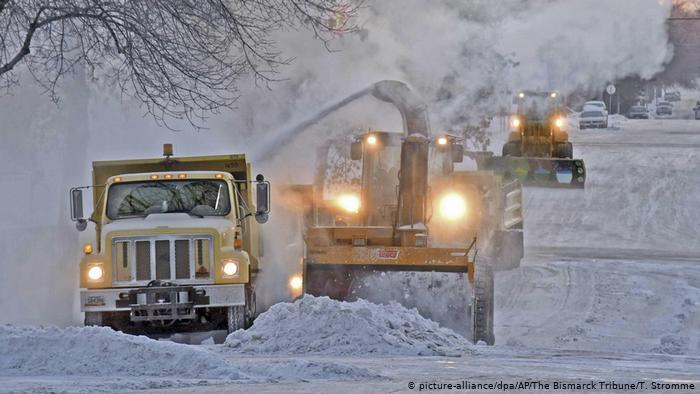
(319,325)
(99,351)
(101,359)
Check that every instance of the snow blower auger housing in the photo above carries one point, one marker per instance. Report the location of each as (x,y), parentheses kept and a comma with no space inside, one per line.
(538,151)
(174,248)
(394,202)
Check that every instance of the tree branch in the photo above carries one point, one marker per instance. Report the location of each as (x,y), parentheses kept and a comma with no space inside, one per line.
(24,50)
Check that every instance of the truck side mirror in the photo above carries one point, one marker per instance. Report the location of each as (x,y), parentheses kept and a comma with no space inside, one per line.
(356,150)
(262,189)
(457,153)
(76,209)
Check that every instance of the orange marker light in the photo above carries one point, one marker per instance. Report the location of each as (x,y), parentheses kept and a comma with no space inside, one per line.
(181,176)
(219,176)
(154,177)
(118,179)
(87,248)
(168,176)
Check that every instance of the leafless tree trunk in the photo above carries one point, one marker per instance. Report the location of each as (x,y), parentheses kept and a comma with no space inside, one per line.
(181,59)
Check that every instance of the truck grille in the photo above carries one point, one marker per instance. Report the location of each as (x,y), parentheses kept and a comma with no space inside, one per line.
(143,259)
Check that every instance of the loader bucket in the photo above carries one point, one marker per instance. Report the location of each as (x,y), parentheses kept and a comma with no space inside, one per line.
(542,172)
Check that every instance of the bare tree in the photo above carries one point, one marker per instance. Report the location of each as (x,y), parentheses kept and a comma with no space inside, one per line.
(181,58)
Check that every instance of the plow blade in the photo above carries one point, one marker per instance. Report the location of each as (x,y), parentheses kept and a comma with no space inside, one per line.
(533,171)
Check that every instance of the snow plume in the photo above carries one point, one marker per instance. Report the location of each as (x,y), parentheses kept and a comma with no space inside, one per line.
(467,58)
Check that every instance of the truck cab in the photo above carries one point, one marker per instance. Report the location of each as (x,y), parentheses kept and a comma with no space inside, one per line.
(175,247)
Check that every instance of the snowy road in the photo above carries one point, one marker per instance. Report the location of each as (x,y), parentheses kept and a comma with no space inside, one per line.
(609,289)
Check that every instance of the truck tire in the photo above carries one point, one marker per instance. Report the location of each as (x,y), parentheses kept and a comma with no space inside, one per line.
(511,148)
(235,318)
(564,150)
(482,304)
(93,319)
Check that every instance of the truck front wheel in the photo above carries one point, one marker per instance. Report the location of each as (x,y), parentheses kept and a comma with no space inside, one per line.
(235,318)
(93,319)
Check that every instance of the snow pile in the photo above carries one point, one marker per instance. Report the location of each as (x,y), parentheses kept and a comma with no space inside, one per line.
(319,325)
(99,351)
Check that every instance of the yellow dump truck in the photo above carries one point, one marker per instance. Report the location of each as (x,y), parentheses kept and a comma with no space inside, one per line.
(174,247)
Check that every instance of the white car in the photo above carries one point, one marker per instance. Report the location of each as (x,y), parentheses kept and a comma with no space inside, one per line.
(595,105)
(593,117)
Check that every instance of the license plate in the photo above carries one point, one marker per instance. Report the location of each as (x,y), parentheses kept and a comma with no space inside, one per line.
(95,301)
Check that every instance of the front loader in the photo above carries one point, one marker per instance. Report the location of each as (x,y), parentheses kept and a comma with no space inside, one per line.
(538,151)
(408,210)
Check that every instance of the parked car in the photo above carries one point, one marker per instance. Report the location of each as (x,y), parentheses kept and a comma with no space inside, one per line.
(638,112)
(593,118)
(664,108)
(595,105)
(672,96)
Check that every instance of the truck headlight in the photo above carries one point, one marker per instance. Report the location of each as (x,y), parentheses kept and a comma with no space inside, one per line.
(230,267)
(95,273)
(349,203)
(515,122)
(559,122)
(453,206)
(296,282)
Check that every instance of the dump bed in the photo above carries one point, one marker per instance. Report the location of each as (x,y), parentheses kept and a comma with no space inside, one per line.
(102,170)
(234,164)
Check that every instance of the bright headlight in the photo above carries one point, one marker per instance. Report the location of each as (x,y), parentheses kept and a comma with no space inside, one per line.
(95,273)
(515,122)
(453,206)
(559,122)
(349,203)
(230,268)
(296,282)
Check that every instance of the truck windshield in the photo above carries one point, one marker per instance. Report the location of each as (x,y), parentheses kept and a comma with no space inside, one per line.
(200,197)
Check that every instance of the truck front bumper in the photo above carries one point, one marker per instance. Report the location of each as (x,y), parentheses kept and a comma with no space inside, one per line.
(117,299)
(592,124)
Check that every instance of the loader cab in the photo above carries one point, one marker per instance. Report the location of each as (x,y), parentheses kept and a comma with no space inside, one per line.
(537,126)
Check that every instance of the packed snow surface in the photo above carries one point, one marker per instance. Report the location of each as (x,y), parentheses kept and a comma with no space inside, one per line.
(320,325)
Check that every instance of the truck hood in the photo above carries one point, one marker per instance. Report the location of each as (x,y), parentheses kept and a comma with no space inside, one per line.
(168,220)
